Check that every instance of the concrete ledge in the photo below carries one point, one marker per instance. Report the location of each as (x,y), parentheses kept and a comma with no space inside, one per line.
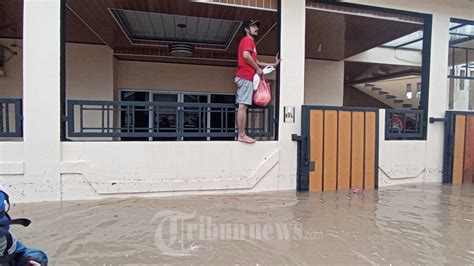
(12,168)
(107,187)
(399,172)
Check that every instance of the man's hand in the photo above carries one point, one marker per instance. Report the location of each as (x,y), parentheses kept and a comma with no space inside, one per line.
(277,59)
(259,71)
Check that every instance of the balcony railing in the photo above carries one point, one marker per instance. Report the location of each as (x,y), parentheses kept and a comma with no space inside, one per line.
(10,118)
(404,124)
(128,120)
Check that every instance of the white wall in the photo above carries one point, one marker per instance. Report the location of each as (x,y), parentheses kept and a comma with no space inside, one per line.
(324,83)
(89,72)
(400,161)
(177,77)
(11,158)
(101,169)
(174,77)
(89,76)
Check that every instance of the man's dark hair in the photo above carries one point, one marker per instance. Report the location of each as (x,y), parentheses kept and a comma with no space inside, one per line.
(249,23)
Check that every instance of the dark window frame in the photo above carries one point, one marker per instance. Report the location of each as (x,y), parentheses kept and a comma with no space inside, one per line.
(426,51)
(180,98)
(452,75)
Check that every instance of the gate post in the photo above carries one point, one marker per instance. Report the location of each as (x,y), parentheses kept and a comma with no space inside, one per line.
(292,50)
(438,96)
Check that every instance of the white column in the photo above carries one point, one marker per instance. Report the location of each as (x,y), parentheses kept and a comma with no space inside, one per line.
(438,96)
(41,98)
(293,14)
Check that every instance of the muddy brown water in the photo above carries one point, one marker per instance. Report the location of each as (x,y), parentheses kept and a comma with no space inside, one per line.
(414,224)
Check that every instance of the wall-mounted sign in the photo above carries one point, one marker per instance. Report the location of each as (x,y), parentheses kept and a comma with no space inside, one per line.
(289,112)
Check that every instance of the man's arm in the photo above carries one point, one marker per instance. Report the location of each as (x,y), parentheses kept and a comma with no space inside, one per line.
(248,58)
(263,64)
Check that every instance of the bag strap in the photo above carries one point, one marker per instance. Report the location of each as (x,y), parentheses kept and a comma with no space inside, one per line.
(20,221)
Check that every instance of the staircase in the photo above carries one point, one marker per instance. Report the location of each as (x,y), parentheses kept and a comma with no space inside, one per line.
(387,84)
(388,97)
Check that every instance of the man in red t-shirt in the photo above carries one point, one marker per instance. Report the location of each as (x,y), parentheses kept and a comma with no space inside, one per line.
(248,66)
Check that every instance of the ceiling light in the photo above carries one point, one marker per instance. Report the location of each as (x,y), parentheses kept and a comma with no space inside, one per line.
(181,50)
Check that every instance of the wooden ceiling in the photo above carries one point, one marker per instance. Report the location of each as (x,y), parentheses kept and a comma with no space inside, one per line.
(266,4)
(11,19)
(99,19)
(329,35)
(11,24)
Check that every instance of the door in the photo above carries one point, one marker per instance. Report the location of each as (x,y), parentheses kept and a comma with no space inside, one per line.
(339,148)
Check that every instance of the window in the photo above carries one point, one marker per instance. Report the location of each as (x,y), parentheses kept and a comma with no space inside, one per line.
(418,90)
(412,41)
(218,121)
(166,118)
(409,93)
(461,65)
(140,118)
(195,118)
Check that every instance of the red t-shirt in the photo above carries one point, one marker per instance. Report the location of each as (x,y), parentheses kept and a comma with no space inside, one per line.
(244,70)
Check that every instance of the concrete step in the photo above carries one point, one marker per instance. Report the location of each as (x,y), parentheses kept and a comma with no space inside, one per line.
(368,85)
(397,101)
(391,96)
(383,92)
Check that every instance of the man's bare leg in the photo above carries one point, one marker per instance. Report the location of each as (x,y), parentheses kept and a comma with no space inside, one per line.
(241,119)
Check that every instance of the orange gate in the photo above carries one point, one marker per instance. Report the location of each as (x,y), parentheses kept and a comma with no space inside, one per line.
(339,148)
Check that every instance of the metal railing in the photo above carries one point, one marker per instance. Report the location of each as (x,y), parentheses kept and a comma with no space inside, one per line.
(130,120)
(404,124)
(10,118)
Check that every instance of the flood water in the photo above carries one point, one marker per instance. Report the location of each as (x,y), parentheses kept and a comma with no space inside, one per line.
(416,224)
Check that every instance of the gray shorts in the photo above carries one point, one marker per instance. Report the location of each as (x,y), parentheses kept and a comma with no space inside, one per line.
(244,91)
